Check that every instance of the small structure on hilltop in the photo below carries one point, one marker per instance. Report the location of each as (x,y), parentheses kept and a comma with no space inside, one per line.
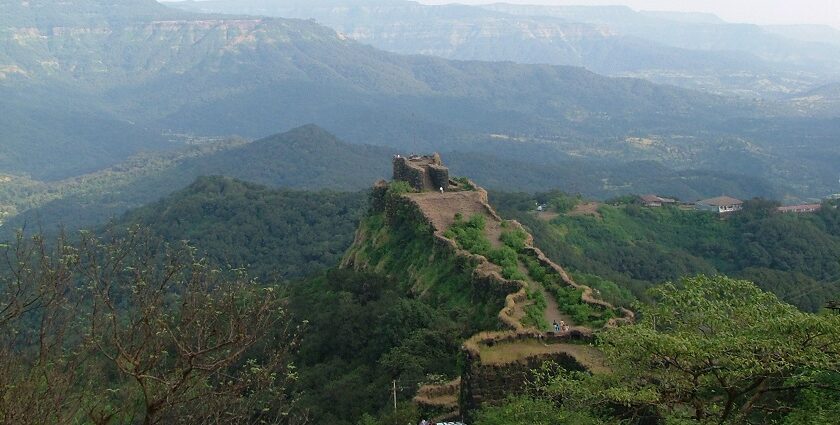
(425,173)
(721,205)
(656,201)
(800,209)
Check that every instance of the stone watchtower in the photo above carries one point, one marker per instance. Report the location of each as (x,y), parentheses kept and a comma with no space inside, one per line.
(424,173)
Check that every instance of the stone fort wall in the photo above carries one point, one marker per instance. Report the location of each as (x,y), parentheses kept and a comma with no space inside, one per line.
(423,173)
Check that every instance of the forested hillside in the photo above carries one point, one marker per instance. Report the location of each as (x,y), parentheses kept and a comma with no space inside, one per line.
(303,158)
(794,256)
(274,234)
(164,261)
(328,348)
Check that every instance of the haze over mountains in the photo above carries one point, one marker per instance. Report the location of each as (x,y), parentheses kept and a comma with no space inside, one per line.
(88,85)
(689,49)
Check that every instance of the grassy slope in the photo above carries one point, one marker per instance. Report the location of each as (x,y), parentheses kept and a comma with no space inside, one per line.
(406,252)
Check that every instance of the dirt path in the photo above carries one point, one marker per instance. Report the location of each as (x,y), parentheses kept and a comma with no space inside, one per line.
(552,310)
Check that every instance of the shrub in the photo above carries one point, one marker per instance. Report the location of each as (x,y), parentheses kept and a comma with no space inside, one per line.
(398,187)
(535,313)
(514,238)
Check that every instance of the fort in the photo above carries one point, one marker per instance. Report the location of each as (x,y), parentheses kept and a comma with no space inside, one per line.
(500,361)
(423,172)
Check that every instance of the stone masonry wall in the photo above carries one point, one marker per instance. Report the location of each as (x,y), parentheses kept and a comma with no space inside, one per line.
(416,177)
(439,176)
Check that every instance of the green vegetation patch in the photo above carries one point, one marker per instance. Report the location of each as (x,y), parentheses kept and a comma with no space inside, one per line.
(635,247)
(535,313)
(470,236)
(709,350)
(400,245)
(568,298)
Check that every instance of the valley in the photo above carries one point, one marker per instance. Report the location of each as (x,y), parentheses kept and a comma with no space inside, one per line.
(212,82)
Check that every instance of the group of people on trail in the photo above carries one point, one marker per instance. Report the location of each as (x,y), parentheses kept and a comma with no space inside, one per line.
(560,327)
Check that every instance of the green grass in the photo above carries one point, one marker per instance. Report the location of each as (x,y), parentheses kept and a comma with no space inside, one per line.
(405,250)
(535,313)
(569,300)
(470,236)
(515,239)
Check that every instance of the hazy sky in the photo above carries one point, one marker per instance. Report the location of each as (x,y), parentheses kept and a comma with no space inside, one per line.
(753,11)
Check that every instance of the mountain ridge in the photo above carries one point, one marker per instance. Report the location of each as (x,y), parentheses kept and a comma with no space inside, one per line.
(310,158)
(212,76)
(608,40)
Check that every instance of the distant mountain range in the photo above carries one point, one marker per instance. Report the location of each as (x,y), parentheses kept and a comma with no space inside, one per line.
(87,84)
(148,68)
(688,49)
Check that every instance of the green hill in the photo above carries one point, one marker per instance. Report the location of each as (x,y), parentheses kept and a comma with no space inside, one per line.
(274,234)
(791,255)
(303,158)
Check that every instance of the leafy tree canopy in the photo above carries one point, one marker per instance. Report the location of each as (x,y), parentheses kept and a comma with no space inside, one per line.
(711,350)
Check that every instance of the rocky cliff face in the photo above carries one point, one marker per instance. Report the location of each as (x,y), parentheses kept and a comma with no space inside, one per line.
(108,53)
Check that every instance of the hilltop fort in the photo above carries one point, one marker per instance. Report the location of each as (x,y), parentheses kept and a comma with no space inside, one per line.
(410,234)
(423,172)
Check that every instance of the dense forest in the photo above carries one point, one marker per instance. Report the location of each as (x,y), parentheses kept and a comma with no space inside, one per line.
(624,244)
(364,332)
(274,234)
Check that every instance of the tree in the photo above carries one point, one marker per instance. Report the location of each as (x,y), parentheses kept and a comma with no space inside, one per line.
(710,350)
(128,330)
(42,364)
